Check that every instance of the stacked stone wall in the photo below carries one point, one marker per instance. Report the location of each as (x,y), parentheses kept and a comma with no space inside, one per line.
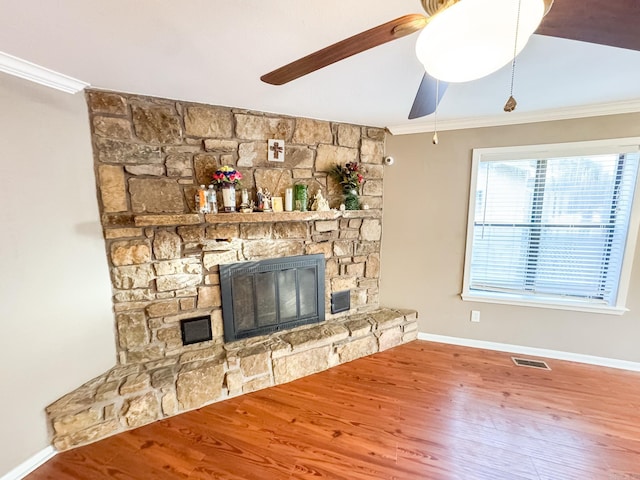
(150,155)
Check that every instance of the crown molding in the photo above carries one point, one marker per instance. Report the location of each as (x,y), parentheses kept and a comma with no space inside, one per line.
(35,73)
(596,110)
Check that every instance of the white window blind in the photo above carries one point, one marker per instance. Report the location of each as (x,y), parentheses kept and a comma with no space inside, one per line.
(551,228)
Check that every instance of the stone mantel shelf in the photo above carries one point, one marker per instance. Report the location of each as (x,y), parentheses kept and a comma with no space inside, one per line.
(152,220)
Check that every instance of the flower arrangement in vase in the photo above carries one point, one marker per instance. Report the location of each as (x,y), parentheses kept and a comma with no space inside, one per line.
(225,179)
(350,178)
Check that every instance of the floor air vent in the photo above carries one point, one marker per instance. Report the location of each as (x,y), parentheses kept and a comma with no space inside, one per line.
(523,362)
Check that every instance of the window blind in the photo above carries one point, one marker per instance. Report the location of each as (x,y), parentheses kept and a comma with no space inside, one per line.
(552,227)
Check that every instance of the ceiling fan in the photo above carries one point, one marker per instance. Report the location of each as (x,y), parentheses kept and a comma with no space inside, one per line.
(604,22)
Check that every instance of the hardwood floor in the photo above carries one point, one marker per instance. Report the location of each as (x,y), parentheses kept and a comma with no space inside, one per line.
(420,411)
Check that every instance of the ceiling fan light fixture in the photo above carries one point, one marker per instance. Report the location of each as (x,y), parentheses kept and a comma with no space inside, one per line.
(474,38)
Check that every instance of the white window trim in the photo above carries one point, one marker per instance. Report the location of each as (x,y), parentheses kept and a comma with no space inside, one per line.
(619,145)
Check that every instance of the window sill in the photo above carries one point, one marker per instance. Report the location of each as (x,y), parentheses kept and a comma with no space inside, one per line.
(552,303)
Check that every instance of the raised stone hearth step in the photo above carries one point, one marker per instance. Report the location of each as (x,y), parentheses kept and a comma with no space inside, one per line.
(129,396)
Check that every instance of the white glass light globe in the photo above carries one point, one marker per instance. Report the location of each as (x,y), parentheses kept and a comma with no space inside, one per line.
(474,38)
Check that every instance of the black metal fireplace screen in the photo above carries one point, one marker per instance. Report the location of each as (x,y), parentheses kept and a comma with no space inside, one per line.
(271,295)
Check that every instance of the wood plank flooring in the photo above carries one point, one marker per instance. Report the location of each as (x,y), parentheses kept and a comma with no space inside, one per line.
(419,411)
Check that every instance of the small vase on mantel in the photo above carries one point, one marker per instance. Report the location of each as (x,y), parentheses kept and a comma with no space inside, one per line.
(351,200)
(228,197)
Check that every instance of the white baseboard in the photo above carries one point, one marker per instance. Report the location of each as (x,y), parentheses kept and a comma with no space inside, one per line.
(30,464)
(536,352)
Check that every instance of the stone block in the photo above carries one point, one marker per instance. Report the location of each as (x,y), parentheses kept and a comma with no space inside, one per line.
(251,154)
(343,248)
(255,363)
(199,384)
(326,248)
(386,318)
(176,282)
(372,188)
(68,424)
(348,135)
(166,245)
(370,171)
(171,337)
(132,330)
(372,269)
(111,233)
(339,284)
(297,365)
(290,230)
(276,180)
(183,265)
(357,348)
(160,220)
(201,121)
(163,378)
(315,336)
(169,404)
(150,353)
(355,269)
(179,165)
(302,173)
(312,132)
(298,157)
(223,230)
(212,279)
(162,309)
(371,230)
(253,127)
(110,127)
(257,384)
(376,133)
(209,297)
(133,252)
(326,225)
(88,435)
(255,231)
(187,303)
(358,326)
(253,249)
(409,336)
(213,259)
(156,195)
(152,170)
(190,234)
(204,165)
(112,188)
(107,391)
(217,145)
(214,353)
(389,338)
(117,151)
(156,124)
(233,381)
(105,102)
(141,410)
(135,383)
(371,151)
(367,248)
(328,156)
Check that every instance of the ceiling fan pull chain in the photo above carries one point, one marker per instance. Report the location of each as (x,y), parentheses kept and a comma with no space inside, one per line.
(435,115)
(511,104)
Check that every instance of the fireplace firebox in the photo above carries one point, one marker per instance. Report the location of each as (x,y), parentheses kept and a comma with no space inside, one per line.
(266,296)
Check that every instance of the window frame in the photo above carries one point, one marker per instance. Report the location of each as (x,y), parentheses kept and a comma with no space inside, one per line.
(546,151)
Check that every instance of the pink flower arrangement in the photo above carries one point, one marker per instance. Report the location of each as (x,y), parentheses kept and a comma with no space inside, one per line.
(227,175)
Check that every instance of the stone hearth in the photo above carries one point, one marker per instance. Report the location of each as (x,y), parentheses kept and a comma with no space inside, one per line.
(150,155)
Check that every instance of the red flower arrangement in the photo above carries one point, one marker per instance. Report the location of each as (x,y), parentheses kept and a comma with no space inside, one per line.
(349,176)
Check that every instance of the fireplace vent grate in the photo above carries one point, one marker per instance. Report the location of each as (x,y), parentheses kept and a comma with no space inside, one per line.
(524,362)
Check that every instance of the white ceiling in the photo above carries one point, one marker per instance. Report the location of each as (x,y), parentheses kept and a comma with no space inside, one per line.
(214,51)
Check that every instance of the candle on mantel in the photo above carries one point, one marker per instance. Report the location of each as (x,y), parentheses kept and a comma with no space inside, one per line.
(288,200)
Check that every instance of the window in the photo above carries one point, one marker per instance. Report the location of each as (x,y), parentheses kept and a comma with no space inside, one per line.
(553,225)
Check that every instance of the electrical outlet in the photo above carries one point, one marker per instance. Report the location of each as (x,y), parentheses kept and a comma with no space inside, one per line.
(475,315)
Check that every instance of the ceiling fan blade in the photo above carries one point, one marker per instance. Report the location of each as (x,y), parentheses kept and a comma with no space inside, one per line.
(605,22)
(426,102)
(373,37)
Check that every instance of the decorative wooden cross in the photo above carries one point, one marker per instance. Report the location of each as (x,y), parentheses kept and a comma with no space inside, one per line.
(276,149)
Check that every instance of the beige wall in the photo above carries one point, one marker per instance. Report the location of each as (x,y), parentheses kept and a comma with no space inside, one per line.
(55,308)
(426,194)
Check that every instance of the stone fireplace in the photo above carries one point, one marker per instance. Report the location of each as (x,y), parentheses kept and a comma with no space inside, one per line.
(150,155)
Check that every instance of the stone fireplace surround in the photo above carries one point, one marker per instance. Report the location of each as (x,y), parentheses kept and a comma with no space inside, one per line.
(150,155)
